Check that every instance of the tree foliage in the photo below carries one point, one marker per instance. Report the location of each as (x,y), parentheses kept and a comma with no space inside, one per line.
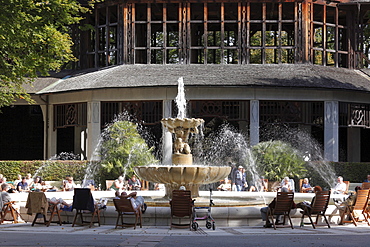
(123,148)
(276,160)
(34,39)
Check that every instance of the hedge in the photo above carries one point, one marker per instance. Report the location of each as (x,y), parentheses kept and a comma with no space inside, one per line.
(52,170)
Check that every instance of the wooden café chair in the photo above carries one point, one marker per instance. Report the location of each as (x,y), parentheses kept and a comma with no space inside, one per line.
(8,209)
(83,202)
(181,207)
(317,209)
(37,203)
(365,185)
(283,205)
(361,204)
(124,207)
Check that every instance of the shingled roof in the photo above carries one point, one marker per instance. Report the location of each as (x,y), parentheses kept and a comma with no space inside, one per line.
(252,75)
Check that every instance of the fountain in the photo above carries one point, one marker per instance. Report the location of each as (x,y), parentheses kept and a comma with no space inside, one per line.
(182,171)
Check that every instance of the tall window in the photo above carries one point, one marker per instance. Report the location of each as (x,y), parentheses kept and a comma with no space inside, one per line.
(272,32)
(157,36)
(214,33)
(329,41)
(102,48)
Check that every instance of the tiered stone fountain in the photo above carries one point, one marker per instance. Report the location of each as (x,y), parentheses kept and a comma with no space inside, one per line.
(182,172)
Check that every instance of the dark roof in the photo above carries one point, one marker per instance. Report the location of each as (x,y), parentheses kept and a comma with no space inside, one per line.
(44,81)
(252,75)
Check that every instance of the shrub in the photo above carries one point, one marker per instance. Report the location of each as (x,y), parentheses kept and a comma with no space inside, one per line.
(276,160)
(48,170)
(123,148)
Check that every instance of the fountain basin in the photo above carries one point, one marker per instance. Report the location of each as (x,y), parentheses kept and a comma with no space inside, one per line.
(190,176)
(187,123)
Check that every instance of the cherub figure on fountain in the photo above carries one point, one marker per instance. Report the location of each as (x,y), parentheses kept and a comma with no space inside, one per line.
(181,147)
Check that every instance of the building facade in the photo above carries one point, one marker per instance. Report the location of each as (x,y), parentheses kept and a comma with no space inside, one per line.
(253,64)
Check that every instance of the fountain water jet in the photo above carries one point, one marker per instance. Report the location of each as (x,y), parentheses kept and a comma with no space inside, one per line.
(318,168)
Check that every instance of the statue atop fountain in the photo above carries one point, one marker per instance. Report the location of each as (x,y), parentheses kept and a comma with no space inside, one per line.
(182,127)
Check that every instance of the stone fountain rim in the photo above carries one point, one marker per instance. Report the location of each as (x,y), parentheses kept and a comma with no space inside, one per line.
(183,119)
(179,165)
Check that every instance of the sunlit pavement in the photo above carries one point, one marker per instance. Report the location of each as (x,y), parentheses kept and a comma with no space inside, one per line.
(23,234)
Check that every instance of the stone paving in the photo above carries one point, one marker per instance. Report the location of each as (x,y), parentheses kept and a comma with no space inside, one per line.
(154,235)
(166,231)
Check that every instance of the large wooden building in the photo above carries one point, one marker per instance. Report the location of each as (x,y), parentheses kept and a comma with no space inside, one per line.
(250,63)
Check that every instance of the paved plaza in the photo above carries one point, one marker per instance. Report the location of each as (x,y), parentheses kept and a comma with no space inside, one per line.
(24,234)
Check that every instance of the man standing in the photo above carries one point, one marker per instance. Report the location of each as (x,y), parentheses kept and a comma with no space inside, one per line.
(239,179)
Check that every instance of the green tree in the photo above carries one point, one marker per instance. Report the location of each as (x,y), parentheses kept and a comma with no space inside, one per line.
(276,160)
(123,148)
(34,39)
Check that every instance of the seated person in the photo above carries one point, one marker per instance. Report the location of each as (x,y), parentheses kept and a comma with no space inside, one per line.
(70,185)
(89,183)
(367,180)
(136,201)
(134,183)
(6,198)
(64,182)
(261,185)
(36,184)
(61,204)
(286,183)
(306,187)
(3,180)
(18,180)
(47,187)
(342,206)
(340,187)
(159,186)
(11,188)
(23,185)
(306,203)
(118,184)
(29,178)
(264,211)
(225,185)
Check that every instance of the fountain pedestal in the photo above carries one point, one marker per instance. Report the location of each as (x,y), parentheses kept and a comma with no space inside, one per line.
(182,159)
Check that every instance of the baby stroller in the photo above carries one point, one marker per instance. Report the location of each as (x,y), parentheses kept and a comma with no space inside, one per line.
(210,222)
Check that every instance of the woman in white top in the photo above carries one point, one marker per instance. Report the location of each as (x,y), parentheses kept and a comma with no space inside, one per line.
(69,185)
(118,184)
